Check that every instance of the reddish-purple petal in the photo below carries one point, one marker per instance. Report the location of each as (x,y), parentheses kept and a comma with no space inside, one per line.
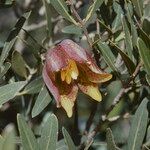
(92,90)
(67,101)
(74,51)
(56,59)
(99,77)
(79,54)
(51,85)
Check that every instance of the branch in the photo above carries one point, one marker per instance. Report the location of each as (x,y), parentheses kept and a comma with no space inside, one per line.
(91,117)
(74,12)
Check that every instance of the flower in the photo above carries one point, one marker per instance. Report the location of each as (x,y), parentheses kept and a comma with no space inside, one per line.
(68,68)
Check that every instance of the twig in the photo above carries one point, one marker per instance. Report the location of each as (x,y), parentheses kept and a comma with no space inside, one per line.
(74,12)
(91,117)
(76,127)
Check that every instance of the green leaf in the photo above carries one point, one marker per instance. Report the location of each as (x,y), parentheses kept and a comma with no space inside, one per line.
(145,54)
(4,69)
(148,79)
(138,127)
(5,51)
(134,34)
(110,140)
(8,139)
(9,91)
(12,37)
(61,145)
(107,54)
(128,62)
(41,102)
(111,94)
(6,3)
(68,140)
(96,4)
(144,36)
(49,133)
(117,21)
(1,142)
(147,139)
(34,86)
(18,64)
(72,29)
(28,139)
(48,17)
(138,7)
(128,41)
(62,9)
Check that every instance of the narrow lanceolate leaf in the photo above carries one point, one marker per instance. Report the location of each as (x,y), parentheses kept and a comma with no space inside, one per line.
(8,139)
(68,140)
(4,69)
(5,51)
(148,79)
(144,36)
(134,34)
(107,54)
(138,127)
(48,17)
(145,54)
(110,140)
(128,62)
(62,9)
(61,145)
(128,40)
(1,142)
(9,91)
(12,38)
(28,139)
(18,64)
(117,21)
(96,4)
(72,29)
(49,134)
(41,102)
(138,4)
(6,3)
(34,86)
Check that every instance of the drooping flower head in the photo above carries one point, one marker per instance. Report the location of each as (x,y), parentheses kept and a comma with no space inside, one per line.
(68,68)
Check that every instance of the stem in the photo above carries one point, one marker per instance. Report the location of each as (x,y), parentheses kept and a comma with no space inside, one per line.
(91,117)
(76,127)
(74,12)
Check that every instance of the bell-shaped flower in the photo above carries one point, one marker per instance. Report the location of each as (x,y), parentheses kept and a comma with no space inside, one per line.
(68,68)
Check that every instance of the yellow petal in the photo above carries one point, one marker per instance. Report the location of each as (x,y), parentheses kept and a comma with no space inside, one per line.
(94,93)
(91,90)
(74,75)
(63,75)
(68,78)
(67,104)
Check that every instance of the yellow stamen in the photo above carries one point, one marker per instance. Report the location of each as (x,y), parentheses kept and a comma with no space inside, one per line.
(70,72)
(68,79)
(74,75)
(63,75)
(67,104)
(94,93)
